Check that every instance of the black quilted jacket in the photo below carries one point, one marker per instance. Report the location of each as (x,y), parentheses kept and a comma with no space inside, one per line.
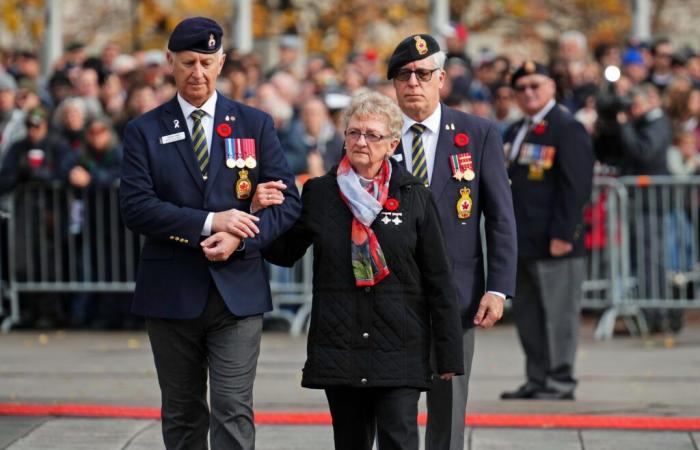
(380,335)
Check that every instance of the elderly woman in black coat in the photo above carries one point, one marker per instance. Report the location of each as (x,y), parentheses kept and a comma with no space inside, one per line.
(382,289)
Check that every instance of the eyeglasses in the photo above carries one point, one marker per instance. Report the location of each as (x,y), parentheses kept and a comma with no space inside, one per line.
(353,135)
(421,74)
(524,87)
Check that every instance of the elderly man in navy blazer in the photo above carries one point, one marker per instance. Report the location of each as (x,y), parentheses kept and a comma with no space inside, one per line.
(190,168)
(460,157)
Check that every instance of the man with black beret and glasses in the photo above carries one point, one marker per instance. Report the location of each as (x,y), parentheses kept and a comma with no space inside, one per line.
(550,158)
(459,157)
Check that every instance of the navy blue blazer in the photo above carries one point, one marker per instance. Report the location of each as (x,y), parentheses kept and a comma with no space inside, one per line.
(491,197)
(549,204)
(164,198)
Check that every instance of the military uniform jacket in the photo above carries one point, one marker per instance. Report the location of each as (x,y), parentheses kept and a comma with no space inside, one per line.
(551,178)
(164,198)
(490,197)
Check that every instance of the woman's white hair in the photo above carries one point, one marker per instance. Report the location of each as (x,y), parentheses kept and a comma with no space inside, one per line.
(375,105)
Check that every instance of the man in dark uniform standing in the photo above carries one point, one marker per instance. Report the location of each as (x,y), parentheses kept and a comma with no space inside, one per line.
(459,156)
(550,159)
(190,168)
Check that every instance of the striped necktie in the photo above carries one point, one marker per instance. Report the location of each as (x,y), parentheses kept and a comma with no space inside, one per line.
(199,139)
(420,167)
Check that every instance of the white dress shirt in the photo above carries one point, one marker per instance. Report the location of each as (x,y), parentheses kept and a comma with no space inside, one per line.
(430,140)
(209,107)
(429,137)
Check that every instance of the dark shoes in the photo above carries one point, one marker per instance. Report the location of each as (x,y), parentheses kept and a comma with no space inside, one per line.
(525,391)
(535,392)
(551,394)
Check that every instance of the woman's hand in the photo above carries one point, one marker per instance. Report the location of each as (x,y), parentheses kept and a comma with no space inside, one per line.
(447,376)
(219,246)
(268,194)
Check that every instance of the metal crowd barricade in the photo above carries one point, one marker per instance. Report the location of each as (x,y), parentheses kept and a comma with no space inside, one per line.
(60,239)
(66,240)
(642,249)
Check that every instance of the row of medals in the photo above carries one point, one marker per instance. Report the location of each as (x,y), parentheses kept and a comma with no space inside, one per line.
(240,163)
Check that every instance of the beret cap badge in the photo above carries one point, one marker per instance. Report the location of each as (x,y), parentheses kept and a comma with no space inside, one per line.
(212,41)
(421,45)
(530,67)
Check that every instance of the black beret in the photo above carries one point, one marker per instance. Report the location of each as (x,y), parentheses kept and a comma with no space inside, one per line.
(197,34)
(413,48)
(529,68)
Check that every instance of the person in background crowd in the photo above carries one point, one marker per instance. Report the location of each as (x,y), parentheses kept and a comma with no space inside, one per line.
(40,158)
(69,119)
(87,87)
(683,106)
(235,76)
(201,282)
(323,143)
(167,90)
(683,157)
(140,99)
(460,158)
(60,88)
(551,161)
(27,97)
(288,53)
(633,66)
(505,110)
(645,137)
(661,73)
(645,133)
(96,170)
(12,128)
(112,96)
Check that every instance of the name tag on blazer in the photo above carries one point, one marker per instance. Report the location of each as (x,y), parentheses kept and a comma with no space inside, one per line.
(172,137)
(542,155)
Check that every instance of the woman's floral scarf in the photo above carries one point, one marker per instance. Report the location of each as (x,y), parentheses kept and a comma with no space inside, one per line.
(365,203)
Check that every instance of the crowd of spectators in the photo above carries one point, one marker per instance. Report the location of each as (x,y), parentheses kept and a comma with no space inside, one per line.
(68,126)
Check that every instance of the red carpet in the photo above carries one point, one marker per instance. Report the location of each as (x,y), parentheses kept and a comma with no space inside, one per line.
(323,418)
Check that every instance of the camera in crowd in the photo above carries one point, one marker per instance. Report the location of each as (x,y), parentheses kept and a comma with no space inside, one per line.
(609,103)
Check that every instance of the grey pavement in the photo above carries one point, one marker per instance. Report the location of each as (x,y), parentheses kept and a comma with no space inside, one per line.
(657,376)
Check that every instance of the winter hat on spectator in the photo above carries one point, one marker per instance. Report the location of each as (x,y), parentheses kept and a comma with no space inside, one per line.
(36,116)
(632,57)
(7,82)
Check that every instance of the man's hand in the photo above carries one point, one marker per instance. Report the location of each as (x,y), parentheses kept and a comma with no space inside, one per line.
(268,194)
(79,177)
(557,247)
(490,310)
(220,246)
(235,222)
(447,376)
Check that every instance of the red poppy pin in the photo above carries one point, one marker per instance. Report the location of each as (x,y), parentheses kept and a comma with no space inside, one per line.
(540,128)
(391,204)
(224,130)
(461,139)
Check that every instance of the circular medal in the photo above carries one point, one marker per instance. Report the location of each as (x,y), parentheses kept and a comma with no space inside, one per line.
(468,175)
(250,162)
(230,163)
(240,163)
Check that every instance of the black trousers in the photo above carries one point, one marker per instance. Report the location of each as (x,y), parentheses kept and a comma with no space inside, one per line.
(358,412)
(224,347)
